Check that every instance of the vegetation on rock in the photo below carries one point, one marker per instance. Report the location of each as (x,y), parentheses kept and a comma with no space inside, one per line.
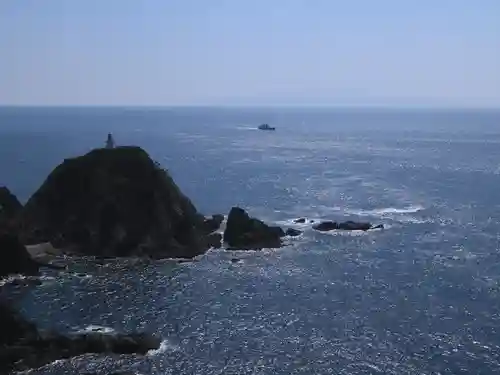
(114,202)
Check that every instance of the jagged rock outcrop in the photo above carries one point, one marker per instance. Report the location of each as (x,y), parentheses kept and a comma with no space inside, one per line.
(326,226)
(244,232)
(10,208)
(114,202)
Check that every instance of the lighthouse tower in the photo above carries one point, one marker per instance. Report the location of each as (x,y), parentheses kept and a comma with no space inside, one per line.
(110,143)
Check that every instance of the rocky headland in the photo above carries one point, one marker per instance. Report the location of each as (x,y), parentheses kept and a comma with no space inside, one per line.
(111,202)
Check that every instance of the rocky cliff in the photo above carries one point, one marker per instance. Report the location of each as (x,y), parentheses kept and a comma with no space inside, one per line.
(114,202)
(10,208)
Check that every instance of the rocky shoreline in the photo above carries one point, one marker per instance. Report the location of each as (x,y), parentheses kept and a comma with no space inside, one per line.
(112,202)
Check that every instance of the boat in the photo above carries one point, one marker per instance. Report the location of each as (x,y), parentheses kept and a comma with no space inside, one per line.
(266,127)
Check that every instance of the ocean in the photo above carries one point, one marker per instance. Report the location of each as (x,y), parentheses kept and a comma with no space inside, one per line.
(420,297)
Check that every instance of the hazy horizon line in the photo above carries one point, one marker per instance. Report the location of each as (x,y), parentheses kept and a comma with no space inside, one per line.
(252,106)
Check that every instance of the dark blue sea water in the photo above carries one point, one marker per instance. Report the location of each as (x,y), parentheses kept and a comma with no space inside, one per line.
(420,297)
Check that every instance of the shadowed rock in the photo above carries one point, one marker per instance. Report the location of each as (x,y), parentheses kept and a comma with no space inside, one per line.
(23,347)
(9,204)
(326,226)
(213,223)
(244,232)
(114,202)
(293,232)
(14,258)
(214,240)
(10,209)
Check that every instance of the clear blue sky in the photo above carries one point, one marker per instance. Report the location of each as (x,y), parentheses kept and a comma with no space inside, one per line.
(250,52)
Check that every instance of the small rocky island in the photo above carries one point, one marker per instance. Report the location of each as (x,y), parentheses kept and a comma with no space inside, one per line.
(111,202)
(114,202)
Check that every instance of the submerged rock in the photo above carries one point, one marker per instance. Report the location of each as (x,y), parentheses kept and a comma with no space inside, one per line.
(293,232)
(244,232)
(300,220)
(114,202)
(326,226)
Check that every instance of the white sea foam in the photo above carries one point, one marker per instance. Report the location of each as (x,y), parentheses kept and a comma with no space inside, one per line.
(294,238)
(387,211)
(412,220)
(404,214)
(55,363)
(10,279)
(96,328)
(222,226)
(165,346)
(309,219)
(14,278)
(78,275)
(350,233)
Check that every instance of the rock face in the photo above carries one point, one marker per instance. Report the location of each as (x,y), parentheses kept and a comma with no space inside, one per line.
(14,327)
(114,202)
(214,240)
(10,208)
(14,258)
(293,232)
(9,204)
(23,347)
(244,232)
(326,226)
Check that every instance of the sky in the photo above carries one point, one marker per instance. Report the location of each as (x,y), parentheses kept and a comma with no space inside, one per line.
(250,52)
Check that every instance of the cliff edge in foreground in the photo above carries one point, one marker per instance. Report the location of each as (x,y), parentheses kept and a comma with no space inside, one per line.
(114,202)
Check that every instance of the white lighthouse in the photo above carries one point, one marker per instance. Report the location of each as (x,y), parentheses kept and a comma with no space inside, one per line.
(110,143)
